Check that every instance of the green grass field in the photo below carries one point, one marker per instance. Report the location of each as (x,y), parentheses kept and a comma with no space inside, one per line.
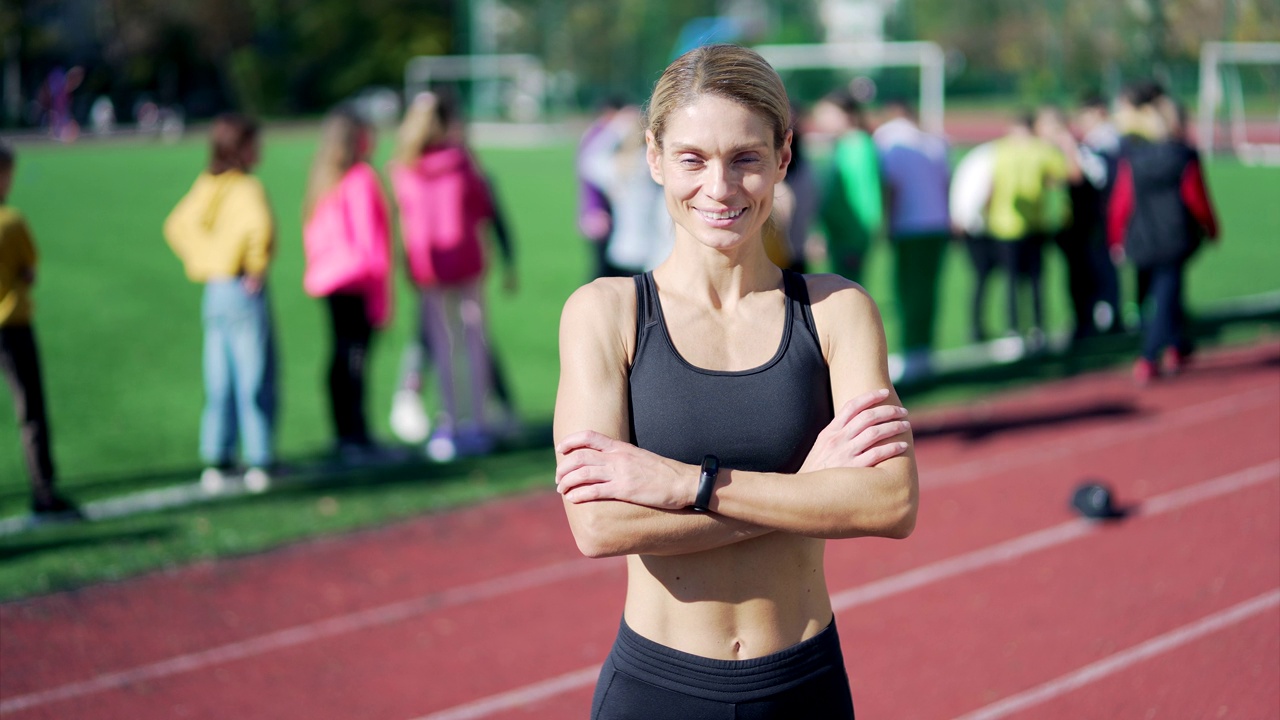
(119,331)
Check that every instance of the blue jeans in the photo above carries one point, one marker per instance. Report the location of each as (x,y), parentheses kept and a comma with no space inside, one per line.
(239,376)
(1164,318)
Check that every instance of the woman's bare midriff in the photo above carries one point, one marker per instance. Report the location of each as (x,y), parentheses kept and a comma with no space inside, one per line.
(737,602)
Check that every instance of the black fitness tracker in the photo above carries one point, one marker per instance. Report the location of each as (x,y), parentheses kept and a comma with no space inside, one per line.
(706,482)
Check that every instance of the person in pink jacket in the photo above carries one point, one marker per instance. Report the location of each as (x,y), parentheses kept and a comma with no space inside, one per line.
(347,241)
(445,204)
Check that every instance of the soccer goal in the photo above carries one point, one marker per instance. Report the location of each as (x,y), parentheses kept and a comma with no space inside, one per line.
(926,56)
(514,86)
(1223,91)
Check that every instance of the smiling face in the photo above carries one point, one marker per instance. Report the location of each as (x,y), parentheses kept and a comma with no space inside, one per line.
(718,167)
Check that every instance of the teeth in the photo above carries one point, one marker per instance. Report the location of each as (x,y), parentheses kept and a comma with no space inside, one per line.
(723,215)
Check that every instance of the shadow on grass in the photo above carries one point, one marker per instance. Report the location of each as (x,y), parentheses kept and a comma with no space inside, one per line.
(70,537)
(407,465)
(1094,354)
(106,485)
(313,477)
(320,469)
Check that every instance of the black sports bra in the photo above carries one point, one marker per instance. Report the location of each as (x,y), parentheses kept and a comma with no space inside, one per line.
(764,419)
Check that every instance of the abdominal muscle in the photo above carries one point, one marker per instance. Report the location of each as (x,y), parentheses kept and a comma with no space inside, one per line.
(737,602)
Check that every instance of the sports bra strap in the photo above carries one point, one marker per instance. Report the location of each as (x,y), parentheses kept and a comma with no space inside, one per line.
(646,296)
(798,292)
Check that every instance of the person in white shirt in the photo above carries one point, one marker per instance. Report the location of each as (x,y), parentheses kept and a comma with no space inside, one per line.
(970,191)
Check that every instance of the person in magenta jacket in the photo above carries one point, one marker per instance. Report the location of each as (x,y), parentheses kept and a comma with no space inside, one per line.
(347,240)
(445,204)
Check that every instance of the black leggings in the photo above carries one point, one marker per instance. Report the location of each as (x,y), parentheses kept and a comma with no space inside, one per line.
(352,332)
(1023,260)
(642,680)
(20,365)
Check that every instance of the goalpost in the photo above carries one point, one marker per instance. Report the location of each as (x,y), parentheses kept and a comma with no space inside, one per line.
(1220,85)
(523,94)
(926,56)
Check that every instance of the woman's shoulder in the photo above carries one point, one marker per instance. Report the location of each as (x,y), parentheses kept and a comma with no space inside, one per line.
(598,324)
(602,299)
(601,313)
(833,289)
(841,307)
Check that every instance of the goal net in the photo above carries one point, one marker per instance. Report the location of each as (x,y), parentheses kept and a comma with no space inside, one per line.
(509,87)
(1239,103)
(926,56)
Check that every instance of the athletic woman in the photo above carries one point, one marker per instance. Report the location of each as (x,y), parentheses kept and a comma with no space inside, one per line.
(719,418)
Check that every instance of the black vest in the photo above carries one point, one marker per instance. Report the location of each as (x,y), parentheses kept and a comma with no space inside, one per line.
(764,419)
(1161,228)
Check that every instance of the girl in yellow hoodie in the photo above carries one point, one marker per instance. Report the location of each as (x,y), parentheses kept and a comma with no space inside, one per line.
(223,232)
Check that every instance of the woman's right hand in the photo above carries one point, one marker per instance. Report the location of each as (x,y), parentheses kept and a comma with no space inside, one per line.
(854,438)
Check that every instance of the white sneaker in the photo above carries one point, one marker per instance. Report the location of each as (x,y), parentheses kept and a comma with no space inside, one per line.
(256,480)
(441,447)
(213,480)
(409,421)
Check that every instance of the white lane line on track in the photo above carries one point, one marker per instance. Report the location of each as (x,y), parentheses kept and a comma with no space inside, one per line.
(1103,437)
(311,632)
(910,580)
(1126,658)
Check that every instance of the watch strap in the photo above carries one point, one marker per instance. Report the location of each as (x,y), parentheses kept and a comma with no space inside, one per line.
(706,482)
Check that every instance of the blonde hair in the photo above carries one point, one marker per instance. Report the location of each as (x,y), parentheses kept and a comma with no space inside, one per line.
(1146,110)
(728,71)
(1146,121)
(425,124)
(340,139)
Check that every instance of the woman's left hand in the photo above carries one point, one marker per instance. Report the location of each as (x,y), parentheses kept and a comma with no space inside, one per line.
(594,466)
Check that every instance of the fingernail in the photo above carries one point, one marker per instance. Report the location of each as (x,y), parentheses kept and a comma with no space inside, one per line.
(883,392)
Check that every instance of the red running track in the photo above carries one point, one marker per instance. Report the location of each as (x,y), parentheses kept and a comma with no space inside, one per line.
(1002,604)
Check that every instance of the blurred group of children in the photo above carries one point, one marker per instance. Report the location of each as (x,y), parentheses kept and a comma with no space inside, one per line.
(1109,192)
(224,233)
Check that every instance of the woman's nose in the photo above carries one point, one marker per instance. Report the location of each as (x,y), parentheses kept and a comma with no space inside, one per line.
(719,182)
